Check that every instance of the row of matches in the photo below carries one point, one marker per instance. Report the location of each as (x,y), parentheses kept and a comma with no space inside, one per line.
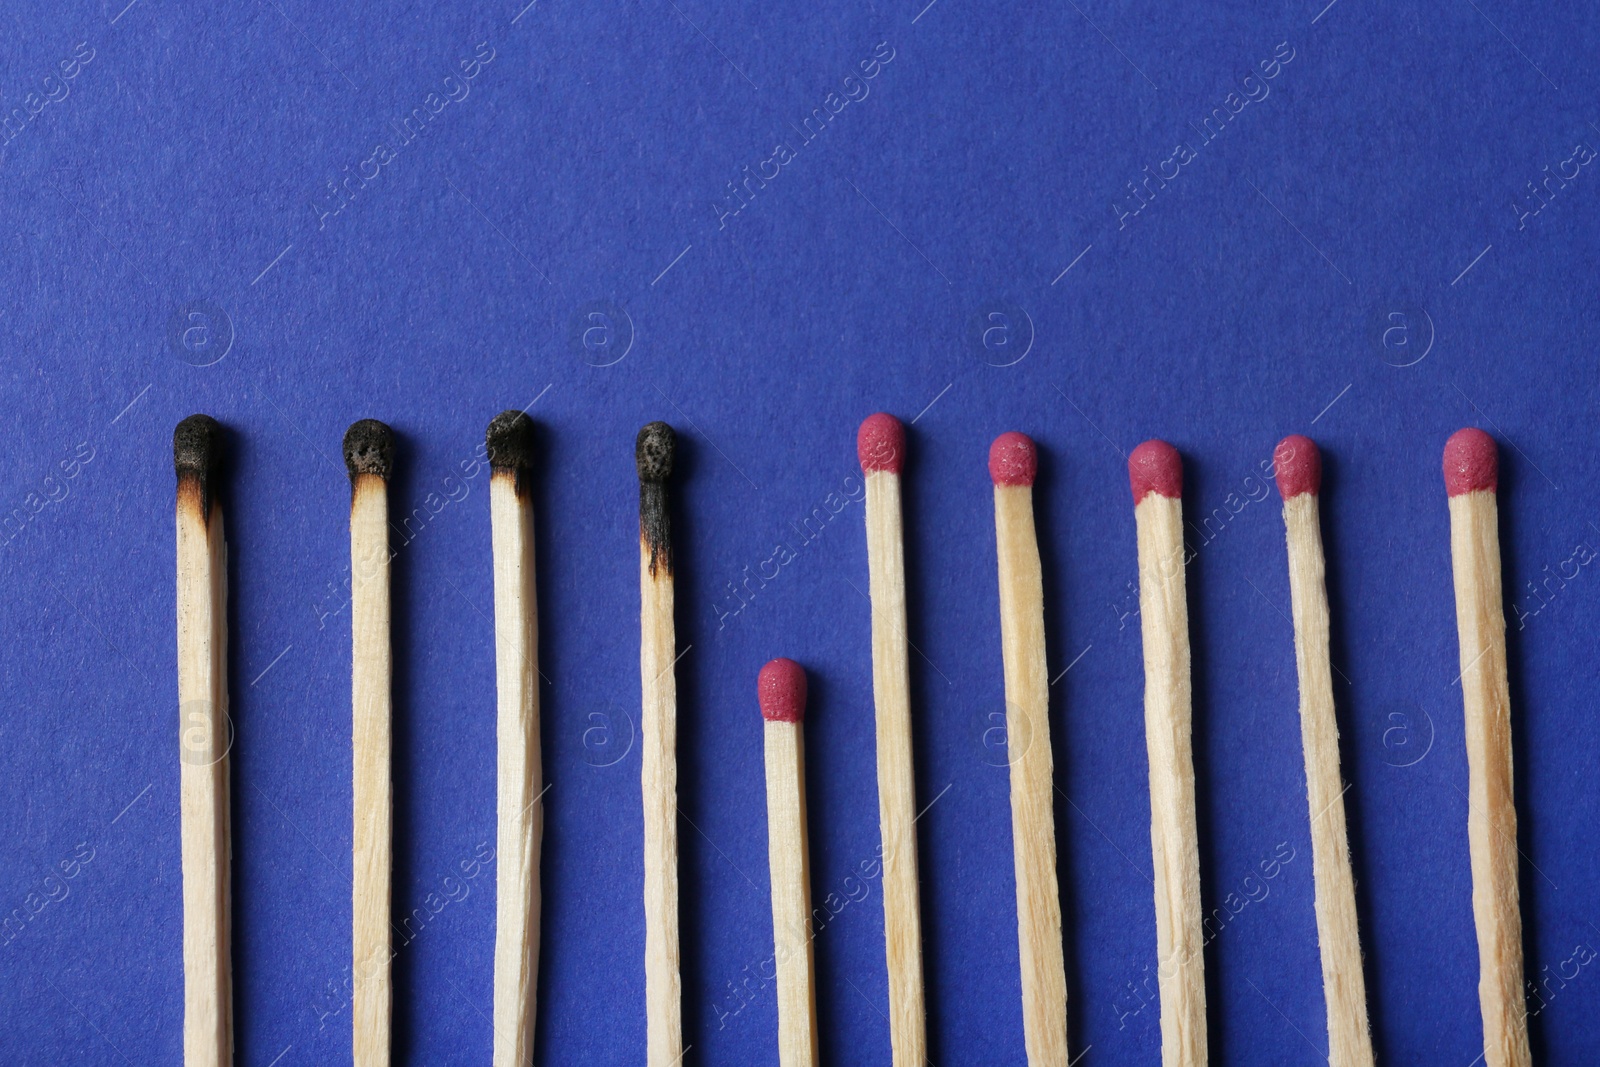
(1156,477)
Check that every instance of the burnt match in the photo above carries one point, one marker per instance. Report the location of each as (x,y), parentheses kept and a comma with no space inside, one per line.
(658,729)
(203,742)
(369,456)
(519,773)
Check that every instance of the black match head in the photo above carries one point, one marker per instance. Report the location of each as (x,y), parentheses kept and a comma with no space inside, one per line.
(369,449)
(653,452)
(510,441)
(197,445)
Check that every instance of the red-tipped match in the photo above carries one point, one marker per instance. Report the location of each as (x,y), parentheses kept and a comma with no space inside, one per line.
(781,689)
(1471,462)
(881,443)
(1013,459)
(1155,467)
(1298,465)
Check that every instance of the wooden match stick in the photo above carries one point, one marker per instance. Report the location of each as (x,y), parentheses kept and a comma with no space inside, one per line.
(509,441)
(1471,478)
(881,446)
(1156,474)
(1013,463)
(1298,466)
(369,455)
(203,744)
(658,730)
(781,690)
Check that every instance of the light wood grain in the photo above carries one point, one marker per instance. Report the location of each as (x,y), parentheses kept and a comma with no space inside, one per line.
(891,694)
(1033,827)
(1343,985)
(202,639)
(1491,813)
(519,774)
(658,734)
(790,867)
(1168,716)
(372,793)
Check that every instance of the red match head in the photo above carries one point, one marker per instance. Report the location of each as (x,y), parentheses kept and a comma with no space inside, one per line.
(781,689)
(1471,461)
(1298,465)
(881,443)
(1155,467)
(1013,459)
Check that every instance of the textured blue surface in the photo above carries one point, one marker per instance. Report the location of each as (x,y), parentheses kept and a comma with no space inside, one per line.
(1348,249)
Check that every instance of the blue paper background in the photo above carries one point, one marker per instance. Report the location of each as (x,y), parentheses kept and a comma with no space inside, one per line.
(171,246)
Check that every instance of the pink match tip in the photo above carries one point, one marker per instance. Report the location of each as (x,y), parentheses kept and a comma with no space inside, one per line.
(1298,465)
(781,689)
(1471,462)
(881,443)
(1155,467)
(1013,459)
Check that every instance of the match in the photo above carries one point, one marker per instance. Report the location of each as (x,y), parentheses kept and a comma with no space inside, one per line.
(881,446)
(781,691)
(203,743)
(1471,479)
(658,730)
(1155,473)
(1013,464)
(519,774)
(369,456)
(1298,467)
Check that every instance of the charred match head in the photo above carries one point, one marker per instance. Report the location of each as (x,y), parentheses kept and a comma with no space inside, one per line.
(653,450)
(1013,459)
(1471,462)
(509,442)
(1155,467)
(781,691)
(369,449)
(1297,464)
(197,445)
(196,452)
(653,453)
(881,443)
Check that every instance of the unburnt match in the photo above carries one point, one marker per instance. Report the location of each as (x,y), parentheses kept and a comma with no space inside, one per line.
(519,774)
(881,447)
(781,691)
(1471,479)
(369,456)
(1155,473)
(203,742)
(658,730)
(1013,463)
(1298,466)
